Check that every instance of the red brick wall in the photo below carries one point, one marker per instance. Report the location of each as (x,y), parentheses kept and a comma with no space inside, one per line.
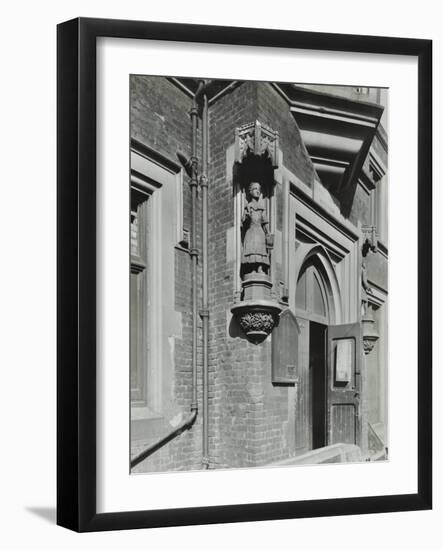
(230,406)
(160,119)
(248,415)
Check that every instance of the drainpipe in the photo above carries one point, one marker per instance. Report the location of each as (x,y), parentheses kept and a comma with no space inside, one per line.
(191,167)
(193,250)
(184,425)
(204,312)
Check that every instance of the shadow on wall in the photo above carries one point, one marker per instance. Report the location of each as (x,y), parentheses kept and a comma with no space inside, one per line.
(45,513)
(235,330)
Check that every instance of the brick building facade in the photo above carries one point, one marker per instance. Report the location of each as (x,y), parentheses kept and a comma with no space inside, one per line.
(320,154)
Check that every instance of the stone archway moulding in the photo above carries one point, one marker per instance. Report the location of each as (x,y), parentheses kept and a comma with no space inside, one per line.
(304,253)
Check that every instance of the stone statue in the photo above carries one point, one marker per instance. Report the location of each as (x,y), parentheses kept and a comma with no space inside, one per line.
(257,238)
(365,290)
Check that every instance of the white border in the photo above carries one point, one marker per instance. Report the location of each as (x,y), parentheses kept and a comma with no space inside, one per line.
(116,489)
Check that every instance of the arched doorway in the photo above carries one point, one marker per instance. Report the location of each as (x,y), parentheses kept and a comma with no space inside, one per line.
(327,398)
(315,310)
(313,296)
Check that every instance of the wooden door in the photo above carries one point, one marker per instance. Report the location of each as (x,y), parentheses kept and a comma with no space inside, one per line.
(344,384)
(310,431)
(303,401)
(317,383)
(312,309)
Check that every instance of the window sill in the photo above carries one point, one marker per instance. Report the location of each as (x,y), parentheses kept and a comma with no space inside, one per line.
(144,413)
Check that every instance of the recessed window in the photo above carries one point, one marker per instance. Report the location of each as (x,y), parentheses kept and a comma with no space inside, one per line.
(139,297)
(156,237)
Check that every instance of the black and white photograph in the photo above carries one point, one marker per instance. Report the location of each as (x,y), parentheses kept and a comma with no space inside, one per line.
(221,280)
(259,261)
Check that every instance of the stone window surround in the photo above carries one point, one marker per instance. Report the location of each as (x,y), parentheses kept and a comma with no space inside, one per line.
(151,174)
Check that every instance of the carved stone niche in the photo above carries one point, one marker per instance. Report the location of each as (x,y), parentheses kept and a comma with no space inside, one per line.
(256,156)
(258,140)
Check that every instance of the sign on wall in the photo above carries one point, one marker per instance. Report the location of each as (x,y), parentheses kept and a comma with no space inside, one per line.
(343,360)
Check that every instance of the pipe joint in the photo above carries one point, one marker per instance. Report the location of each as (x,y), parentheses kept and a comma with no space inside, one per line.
(193,252)
(200,89)
(193,111)
(193,161)
(204,313)
(203,181)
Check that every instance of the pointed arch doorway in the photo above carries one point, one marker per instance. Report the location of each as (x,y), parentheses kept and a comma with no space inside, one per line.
(327,408)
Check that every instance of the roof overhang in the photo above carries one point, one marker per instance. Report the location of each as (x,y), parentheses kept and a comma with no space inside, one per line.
(336,131)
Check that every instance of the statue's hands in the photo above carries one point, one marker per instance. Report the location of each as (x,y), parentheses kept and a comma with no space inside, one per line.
(246,215)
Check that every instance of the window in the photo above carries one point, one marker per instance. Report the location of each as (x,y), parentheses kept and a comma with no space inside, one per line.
(139,296)
(156,232)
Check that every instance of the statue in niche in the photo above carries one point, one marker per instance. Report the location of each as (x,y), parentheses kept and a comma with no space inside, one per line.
(366,289)
(257,239)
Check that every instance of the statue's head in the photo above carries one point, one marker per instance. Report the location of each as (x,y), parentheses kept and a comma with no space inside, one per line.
(254,189)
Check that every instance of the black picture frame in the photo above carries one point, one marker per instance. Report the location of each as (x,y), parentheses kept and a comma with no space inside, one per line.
(76,294)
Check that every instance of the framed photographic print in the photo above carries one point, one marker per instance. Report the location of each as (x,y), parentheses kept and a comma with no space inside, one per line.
(244,274)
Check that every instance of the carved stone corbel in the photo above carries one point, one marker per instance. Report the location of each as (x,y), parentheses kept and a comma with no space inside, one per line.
(370,334)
